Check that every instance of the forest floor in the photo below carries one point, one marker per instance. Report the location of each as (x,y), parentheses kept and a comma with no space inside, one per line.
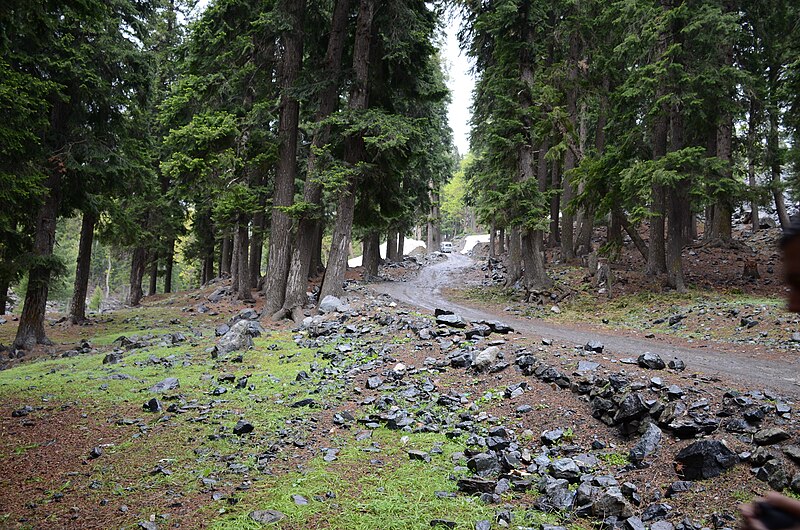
(367,417)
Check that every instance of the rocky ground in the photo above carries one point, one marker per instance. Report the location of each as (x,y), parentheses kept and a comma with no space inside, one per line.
(190,413)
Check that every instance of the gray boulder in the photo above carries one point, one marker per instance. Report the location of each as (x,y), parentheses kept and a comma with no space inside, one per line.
(485,359)
(239,337)
(706,459)
(646,445)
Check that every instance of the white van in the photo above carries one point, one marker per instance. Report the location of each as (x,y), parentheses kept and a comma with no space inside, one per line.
(447,246)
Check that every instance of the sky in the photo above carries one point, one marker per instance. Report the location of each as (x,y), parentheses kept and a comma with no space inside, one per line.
(460,82)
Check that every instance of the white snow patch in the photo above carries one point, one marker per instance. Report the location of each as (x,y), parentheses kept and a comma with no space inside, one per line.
(409,245)
(471,241)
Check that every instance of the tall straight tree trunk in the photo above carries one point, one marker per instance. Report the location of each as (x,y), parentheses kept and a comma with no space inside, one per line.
(773,154)
(153,275)
(501,241)
(4,285)
(401,243)
(614,234)
(354,152)
(583,241)
(138,263)
(752,135)
(570,157)
(256,247)
(678,213)
(307,253)
(492,240)
(169,261)
(391,246)
(555,206)
(237,243)
(31,323)
(316,266)
(371,256)
(514,263)
(280,248)
(656,255)
(243,291)
(77,307)
(225,256)
(721,228)
(434,239)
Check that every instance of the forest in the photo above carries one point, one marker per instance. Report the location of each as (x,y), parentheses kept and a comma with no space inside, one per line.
(183,183)
(247,132)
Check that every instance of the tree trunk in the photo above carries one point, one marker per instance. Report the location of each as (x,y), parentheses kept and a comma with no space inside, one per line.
(371,256)
(168,266)
(514,263)
(243,292)
(656,255)
(354,152)
(752,139)
(773,154)
(31,323)
(280,247)
(307,254)
(678,212)
(614,234)
(554,237)
(153,275)
(492,240)
(77,308)
(641,246)
(138,262)
(225,256)
(401,243)
(237,242)
(501,241)
(391,246)
(434,242)
(4,285)
(257,246)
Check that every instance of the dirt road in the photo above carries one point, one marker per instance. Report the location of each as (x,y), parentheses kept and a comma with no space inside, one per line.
(425,292)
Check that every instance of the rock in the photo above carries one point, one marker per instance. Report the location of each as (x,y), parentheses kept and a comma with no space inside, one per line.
(656,512)
(422,456)
(96,452)
(239,337)
(483,525)
(680,486)
(21,413)
(631,408)
(243,427)
(113,357)
(770,436)
(374,382)
(266,516)
(594,346)
(485,359)
(565,468)
(634,523)
(153,405)
(170,383)
(484,465)
(474,485)
(498,327)
(793,452)
(555,496)
(587,366)
(452,320)
(442,523)
(612,503)
(651,361)
(677,365)
(705,459)
(299,500)
(773,472)
(552,437)
(147,525)
(646,445)
(330,304)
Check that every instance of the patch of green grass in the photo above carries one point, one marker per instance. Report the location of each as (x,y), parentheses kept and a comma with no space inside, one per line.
(614,459)
(399,494)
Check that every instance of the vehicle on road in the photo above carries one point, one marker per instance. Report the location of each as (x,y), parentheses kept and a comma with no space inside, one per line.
(447,247)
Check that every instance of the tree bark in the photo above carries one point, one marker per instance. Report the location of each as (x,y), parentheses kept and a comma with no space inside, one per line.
(554,238)
(225,256)
(656,255)
(391,246)
(773,154)
(77,307)
(678,213)
(514,263)
(371,256)
(307,253)
(257,241)
(168,266)
(235,261)
(434,239)
(354,152)
(401,242)
(151,290)
(280,248)
(31,323)
(138,263)
(501,241)
(4,285)
(752,139)
(492,240)
(243,291)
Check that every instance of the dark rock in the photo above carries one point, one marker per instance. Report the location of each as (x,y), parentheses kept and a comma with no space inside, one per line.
(565,468)
(739,425)
(612,503)
(656,512)
(773,472)
(651,361)
(266,516)
(153,405)
(170,383)
(484,465)
(552,437)
(472,485)
(677,364)
(478,331)
(647,444)
(631,408)
(96,452)
(498,327)
(770,436)
(793,452)
(243,427)
(443,523)
(22,412)
(113,357)
(454,321)
(307,402)
(556,495)
(754,415)
(594,346)
(419,455)
(705,459)
(680,486)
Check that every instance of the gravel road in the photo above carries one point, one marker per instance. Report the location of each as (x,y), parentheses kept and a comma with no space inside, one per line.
(425,292)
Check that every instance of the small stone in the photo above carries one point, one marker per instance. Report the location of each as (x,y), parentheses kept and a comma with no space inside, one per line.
(374,382)
(651,361)
(243,427)
(770,436)
(266,516)
(299,500)
(442,523)
(594,346)
(647,444)
(170,383)
(419,455)
(96,452)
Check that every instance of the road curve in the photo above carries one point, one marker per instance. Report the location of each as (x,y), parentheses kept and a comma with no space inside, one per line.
(424,292)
